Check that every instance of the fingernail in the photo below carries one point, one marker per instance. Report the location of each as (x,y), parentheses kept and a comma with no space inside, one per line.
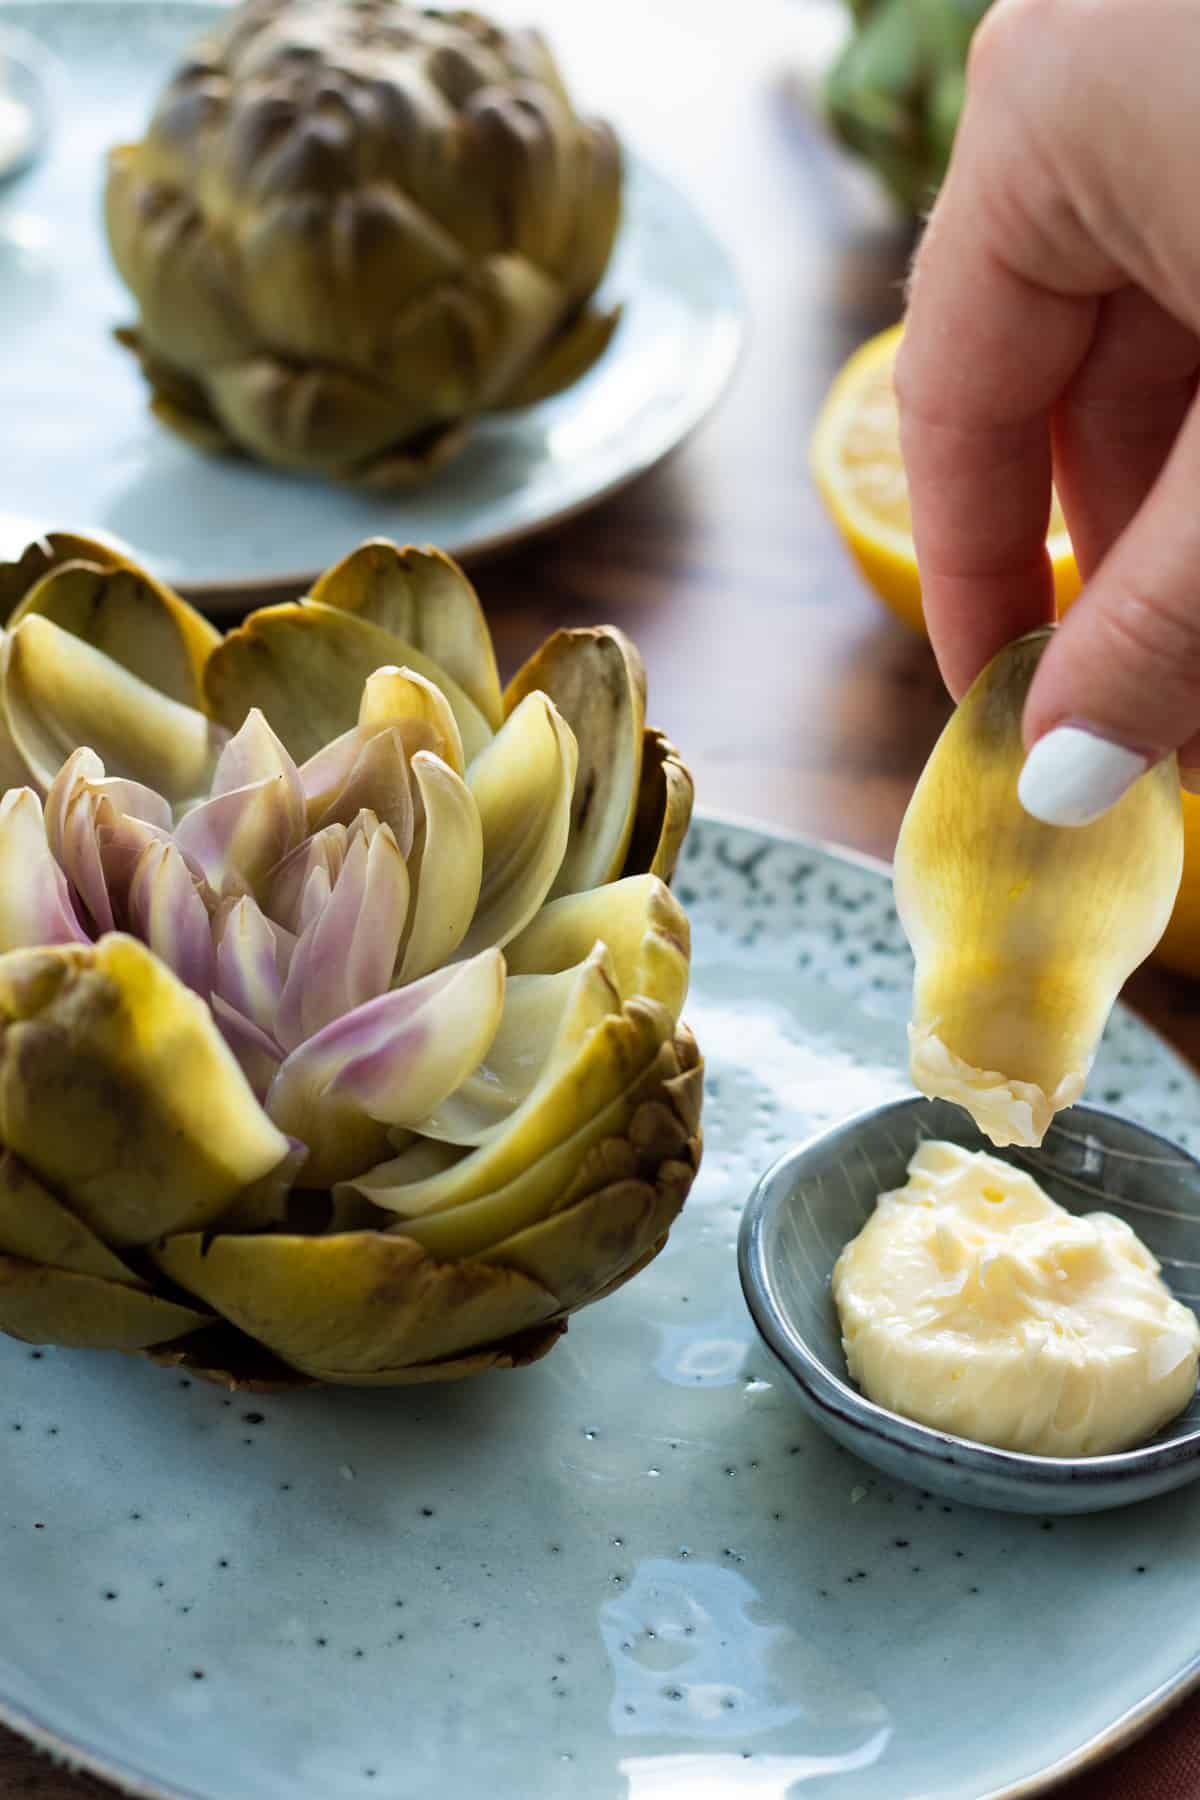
(1071,776)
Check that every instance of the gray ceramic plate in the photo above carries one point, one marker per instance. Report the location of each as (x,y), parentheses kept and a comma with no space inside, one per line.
(88,454)
(636,1571)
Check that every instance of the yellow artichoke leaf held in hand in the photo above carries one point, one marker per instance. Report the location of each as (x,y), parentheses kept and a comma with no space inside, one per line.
(1023,933)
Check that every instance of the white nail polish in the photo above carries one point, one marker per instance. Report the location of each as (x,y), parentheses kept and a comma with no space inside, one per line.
(1071,776)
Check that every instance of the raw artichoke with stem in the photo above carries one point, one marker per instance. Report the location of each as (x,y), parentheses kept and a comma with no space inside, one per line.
(895,93)
(1023,933)
(339,989)
(354,226)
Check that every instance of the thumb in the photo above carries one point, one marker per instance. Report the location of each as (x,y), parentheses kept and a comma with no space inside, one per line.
(1119,686)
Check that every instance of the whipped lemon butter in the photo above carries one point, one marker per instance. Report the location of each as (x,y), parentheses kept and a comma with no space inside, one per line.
(972,1302)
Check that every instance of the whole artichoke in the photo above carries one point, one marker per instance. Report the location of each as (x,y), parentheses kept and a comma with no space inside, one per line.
(353,226)
(896,91)
(339,990)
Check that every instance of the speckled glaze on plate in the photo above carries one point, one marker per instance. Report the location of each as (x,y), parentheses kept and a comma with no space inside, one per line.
(89,455)
(636,1571)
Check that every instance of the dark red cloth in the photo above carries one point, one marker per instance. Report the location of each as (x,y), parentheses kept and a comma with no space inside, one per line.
(1163,1765)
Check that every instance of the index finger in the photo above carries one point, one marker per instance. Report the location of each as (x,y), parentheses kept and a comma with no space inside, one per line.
(1000,318)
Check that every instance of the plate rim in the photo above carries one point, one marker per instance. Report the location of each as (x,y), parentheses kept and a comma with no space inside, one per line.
(726,337)
(80,1756)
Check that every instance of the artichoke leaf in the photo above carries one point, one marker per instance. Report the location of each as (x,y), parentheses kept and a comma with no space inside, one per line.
(306,664)
(611,1058)
(570,354)
(42,1305)
(142,626)
(446,868)
(357,1301)
(1023,933)
(402,697)
(423,597)
(35,900)
(50,552)
(118,1091)
(515,1352)
(522,784)
(664,809)
(470,1227)
(60,692)
(542,1027)
(578,1253)
(638,918)
(596,680)
(36,1227)
(386,1064)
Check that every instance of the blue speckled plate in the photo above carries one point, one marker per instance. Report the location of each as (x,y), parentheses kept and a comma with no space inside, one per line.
(635,1571)
(88,454)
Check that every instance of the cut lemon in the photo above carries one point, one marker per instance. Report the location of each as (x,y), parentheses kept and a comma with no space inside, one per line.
(855,459)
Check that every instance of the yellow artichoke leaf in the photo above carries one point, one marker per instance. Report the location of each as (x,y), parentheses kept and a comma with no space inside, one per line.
(445,865)
(320,419)
(54,1306)
(1022,932)
(610,1057)
(386,1064)
(569,355)
(664,810)
(356,1301)
(38,1228)
(522,784)
(638,918)
(35,900)
(579,1252)
(596,679)
(423,597)
(142,626)
(402,697)
(515,308)
(59,692)
(469,1227)
(542,1027)
(50,552)
(306,665)
(119,1092)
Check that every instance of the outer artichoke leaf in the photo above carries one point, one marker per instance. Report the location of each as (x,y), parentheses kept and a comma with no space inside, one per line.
(516,1352)
(356,1302)
(119,1092)
(53,1306)
(664,810)
(38,1228)
(424,597)
(306,665)
(522,784)
(568,356)
(542,1027)
(610,1059)
(596,680)
(471,1227)
(639,919)
(60,692)
(579,1252)
(446,867)
(316,418)
(50,552)
(147,629)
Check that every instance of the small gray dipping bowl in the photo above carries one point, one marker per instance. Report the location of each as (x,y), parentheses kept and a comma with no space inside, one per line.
(816,1198)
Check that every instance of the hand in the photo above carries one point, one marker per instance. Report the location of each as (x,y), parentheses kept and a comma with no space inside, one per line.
(1054,322)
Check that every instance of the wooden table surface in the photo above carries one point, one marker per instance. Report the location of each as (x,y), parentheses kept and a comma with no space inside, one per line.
(796,699)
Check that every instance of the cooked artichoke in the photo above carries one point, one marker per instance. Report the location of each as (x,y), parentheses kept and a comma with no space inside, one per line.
(339,989)
(895,94)
(1023,933)
(354,226)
